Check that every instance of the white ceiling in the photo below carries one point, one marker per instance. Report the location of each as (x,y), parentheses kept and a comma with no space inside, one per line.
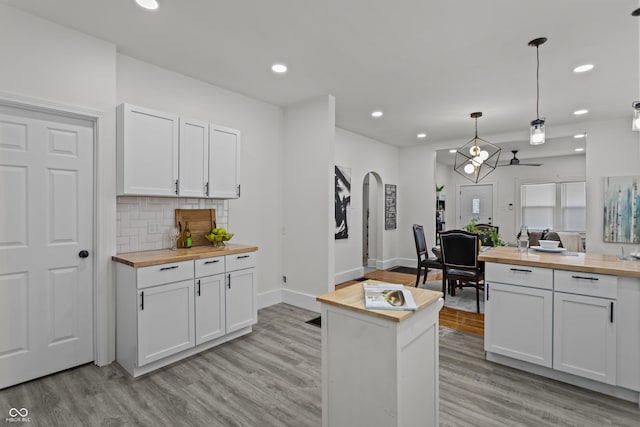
(426,64)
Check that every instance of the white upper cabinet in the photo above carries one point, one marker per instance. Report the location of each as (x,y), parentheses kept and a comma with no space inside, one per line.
(147,150)
(224,162)
(161,155)
(194,158)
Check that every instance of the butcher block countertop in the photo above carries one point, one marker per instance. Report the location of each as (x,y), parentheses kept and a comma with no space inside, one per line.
(588,263)
(163,256)
(352,298)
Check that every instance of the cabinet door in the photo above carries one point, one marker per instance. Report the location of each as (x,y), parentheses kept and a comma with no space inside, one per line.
(240,299)
(194,158)
(210,310)
(224,162)
(147,151)
(518,322)
(585,336)
(165,321)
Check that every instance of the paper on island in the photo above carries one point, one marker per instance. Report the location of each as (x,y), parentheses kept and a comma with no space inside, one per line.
(388,296)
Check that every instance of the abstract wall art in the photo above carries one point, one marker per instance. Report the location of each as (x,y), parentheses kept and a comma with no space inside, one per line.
(621,209)
(342,200)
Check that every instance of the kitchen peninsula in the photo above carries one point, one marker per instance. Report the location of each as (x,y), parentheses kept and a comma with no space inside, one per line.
(574,317)
(379,367)
(172,304)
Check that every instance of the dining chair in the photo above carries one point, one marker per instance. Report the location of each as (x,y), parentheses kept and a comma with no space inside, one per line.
(485,233)
(460,262)
(424,261)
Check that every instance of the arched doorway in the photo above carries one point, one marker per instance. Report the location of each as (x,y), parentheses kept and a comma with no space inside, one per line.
(372,217)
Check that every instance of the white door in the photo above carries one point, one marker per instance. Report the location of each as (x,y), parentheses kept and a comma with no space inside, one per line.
(210,310)
(476,201)
(224,162)
(165,321)
(584,336)
(240,300)
(518,322)
(46,287)
(194,158)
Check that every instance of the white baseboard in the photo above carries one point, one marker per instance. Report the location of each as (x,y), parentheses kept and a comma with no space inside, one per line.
(395,262)
(301,300)
(371,262)
(269,298)
(407,262)
(345,276)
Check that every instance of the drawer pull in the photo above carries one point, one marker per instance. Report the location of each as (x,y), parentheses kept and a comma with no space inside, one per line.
(229,278)
(142,300)
(523,270)
(243,256)
(487,292)
(212,262)
(584,278)
(169,268)
(198,287)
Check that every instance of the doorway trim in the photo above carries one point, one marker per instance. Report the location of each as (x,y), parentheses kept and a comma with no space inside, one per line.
(494,188)
(101,270)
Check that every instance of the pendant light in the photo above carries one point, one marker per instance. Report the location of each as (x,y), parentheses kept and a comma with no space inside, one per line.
(536,134)
(635,124)
(477,158)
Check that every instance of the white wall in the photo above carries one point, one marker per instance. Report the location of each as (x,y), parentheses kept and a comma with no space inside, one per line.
(506,181)
(612,150)
(256,217)
(416,198)
(308,200)
(50,63)
(363,155)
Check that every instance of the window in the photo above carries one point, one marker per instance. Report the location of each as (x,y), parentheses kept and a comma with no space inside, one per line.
(556,206)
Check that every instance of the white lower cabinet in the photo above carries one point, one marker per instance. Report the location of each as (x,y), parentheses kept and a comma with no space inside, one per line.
(585,337)
(170,311)
(165,321)
(518,322)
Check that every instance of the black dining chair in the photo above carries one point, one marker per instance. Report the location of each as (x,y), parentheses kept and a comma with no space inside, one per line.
(423,257)
(460,262)
(484,230)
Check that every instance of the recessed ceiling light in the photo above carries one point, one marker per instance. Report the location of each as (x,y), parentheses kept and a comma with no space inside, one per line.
(453,150)
(377,114)
(580,112)
(422,135)
(583,68)
(148,4)
(580,135)
(279,68)
(579,149)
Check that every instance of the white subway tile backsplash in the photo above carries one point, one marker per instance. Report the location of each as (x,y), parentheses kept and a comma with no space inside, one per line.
(136,216)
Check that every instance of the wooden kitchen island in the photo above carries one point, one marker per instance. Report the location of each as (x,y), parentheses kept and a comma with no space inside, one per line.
(379,367)
(573,317)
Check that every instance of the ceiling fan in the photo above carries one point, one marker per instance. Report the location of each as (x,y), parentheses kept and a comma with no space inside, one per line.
(516,161)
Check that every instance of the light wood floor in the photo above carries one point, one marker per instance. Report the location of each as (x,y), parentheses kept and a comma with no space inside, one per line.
(456,319)
(272,377)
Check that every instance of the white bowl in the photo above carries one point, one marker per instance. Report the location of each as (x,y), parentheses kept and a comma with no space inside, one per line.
(549,244)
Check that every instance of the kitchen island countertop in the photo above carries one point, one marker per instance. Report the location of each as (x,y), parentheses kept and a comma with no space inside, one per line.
(163,256)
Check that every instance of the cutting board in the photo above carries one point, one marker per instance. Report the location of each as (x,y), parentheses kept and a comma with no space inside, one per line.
(201,221)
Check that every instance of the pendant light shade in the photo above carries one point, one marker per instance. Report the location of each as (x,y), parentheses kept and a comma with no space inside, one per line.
(477,158)
(635,125)
(537,132)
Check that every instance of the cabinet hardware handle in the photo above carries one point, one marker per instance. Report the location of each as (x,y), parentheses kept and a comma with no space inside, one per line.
(524,270)
(238,190)
(177,186)
(198,287)
(229,282)
(168,268)
(611,314)
(212,262)
(584,277)
(206,189)
(243,256)
(142,300)
(487,292)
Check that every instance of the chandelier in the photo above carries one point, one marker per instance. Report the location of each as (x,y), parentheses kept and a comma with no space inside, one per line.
(477,158)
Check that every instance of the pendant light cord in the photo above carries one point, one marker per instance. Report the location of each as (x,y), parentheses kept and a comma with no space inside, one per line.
(537,83)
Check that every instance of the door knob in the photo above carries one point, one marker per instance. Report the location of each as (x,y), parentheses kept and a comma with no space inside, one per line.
(83,253)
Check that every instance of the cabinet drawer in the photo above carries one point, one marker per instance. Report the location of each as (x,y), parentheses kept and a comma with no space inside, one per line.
(591,284)
(209,266)
(521,275)
(240,261)
(164,273)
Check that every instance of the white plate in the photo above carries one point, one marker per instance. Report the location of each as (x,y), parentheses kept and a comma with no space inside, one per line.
(635,255)
(541,249)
